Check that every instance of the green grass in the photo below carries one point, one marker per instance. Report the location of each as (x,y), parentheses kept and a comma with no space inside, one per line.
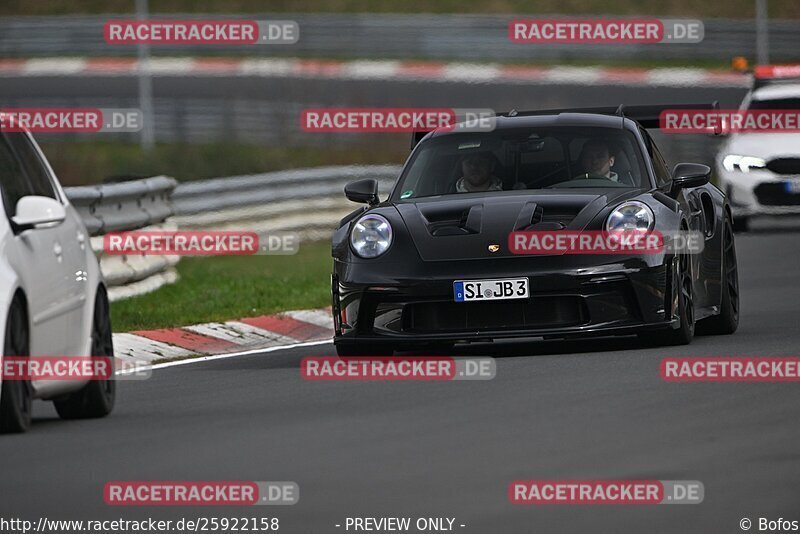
(79,163)
(230,287)
(678,8)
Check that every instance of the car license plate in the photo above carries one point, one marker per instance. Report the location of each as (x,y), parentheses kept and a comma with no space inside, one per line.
(502,289)
(792,186)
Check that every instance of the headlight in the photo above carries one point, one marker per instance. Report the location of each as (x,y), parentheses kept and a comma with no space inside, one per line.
(632,215)
(732,162)
(371,236)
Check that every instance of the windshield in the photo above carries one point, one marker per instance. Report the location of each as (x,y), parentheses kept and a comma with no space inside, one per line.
(776,103)
(524,160)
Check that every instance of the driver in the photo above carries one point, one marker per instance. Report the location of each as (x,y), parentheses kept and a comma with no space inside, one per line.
(596,160)
(478,174)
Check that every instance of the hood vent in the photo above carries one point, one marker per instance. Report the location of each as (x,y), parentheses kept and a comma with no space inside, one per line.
(561,215)
(454,221)
(533,216)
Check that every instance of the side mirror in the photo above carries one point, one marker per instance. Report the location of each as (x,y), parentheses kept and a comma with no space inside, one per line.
(365,191)
(36,212)
(686,175)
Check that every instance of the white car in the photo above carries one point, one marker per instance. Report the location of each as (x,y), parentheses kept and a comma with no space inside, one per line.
(760,172)
(53,301)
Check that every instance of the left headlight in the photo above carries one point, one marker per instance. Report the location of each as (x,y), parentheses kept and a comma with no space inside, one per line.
(632,215)
(371,236)
(733,162)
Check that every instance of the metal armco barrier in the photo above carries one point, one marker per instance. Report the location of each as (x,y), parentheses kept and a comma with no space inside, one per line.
(124,205)
(236,191)
(386,36)
(139,204)
(307,201)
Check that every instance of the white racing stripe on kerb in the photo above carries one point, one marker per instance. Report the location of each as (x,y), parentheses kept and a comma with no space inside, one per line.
(367,70)
(267,67)
(318,317)
(572,75)
(470,72)
(676,77)
(131,346)
(240,333)
(237,354)
(43,67)
(171,66)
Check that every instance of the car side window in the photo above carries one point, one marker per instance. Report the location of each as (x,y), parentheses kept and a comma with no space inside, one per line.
(39,178)
(13,183)
(663,176)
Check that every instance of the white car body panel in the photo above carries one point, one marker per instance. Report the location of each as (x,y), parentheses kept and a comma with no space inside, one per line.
(741,186)
(59,275)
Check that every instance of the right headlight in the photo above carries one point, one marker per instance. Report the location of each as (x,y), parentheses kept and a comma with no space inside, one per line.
(734,162)
(631,215)
(371,236)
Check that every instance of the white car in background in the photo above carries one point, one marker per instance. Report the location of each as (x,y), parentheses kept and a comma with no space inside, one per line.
(760,172)
(53,301)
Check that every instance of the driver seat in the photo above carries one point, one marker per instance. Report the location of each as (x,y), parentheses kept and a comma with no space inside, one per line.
(622,166)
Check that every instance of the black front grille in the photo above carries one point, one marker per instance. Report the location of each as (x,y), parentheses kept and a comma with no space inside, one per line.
(776,194)
(784,165)
(536,312)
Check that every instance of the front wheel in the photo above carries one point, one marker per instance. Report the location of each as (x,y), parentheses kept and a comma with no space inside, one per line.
(95,399)
(15,399)
(728,319)
(684,334)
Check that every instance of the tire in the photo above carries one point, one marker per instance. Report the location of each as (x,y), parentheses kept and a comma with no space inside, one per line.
(363,350)
(95,399)
(16,396)
(728,319)
(684,334)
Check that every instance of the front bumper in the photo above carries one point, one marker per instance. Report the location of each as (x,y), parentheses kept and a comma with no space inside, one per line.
(617,298)
(759,192)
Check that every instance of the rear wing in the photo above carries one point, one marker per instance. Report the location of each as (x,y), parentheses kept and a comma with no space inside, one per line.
(647,116)
(764,75)
(417,135)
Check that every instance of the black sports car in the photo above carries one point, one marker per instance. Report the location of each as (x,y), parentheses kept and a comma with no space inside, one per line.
(431,266)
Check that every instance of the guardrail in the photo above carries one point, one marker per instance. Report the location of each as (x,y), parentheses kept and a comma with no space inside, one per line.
(386,36)
(124,205)
(308,202)
(305,201)
(139,204)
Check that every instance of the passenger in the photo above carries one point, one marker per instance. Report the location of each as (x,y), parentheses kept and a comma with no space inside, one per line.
(596,160)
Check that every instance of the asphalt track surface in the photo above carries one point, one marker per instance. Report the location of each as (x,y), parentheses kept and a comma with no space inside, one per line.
(593,409)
